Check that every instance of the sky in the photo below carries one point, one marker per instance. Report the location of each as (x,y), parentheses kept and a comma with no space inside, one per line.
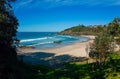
(57,15)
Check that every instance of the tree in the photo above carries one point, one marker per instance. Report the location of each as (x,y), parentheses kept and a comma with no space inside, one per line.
(8,29)
(8,23)
(102,46)
(114,27)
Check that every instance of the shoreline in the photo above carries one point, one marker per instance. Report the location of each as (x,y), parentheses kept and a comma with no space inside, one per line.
(77,49)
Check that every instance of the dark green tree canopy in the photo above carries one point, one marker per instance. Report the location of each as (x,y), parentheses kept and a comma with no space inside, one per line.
(102,46)
(8,29)
(8,23)
(114,27)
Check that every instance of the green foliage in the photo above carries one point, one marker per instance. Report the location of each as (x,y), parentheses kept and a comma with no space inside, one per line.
(114,55)
(110,70)
(84,30)
(8,56)
(8,23)
(78,28)
(114,27)
(101,48)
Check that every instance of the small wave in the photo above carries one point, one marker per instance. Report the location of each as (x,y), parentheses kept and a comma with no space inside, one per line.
(29,40)
(40,43)
(67,36)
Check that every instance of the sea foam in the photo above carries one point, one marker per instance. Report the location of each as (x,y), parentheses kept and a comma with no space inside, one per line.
(40,43)
(36,39)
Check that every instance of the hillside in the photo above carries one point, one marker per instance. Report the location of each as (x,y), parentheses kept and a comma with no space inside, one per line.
(84,30)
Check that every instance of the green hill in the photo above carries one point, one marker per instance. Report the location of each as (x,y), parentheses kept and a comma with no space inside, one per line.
(84,30)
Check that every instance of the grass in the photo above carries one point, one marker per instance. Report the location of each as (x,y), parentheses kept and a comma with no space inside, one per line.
(76,70)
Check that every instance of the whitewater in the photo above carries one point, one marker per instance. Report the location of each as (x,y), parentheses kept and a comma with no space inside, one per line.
(46,39)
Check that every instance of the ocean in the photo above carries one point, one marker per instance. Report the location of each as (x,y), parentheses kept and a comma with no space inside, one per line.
(44,40)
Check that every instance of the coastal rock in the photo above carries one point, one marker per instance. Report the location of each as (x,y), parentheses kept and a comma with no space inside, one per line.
(24,47)
(57,42)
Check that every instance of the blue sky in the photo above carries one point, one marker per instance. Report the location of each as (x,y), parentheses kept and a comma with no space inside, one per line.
(57,15)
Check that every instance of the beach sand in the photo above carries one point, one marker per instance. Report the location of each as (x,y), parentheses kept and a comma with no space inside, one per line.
(57,57)
(76,49)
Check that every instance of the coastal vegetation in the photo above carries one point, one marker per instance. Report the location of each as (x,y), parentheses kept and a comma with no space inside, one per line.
(74,70)
(9,68)
(84,30)
(101,48)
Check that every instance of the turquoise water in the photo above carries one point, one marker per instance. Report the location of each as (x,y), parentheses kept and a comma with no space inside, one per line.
(46,39)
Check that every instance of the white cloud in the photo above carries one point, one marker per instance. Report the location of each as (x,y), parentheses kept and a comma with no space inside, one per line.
(22,3)
(58,3)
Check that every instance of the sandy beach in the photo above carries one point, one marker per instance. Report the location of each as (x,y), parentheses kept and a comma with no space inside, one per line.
(56,57)
(76,49)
